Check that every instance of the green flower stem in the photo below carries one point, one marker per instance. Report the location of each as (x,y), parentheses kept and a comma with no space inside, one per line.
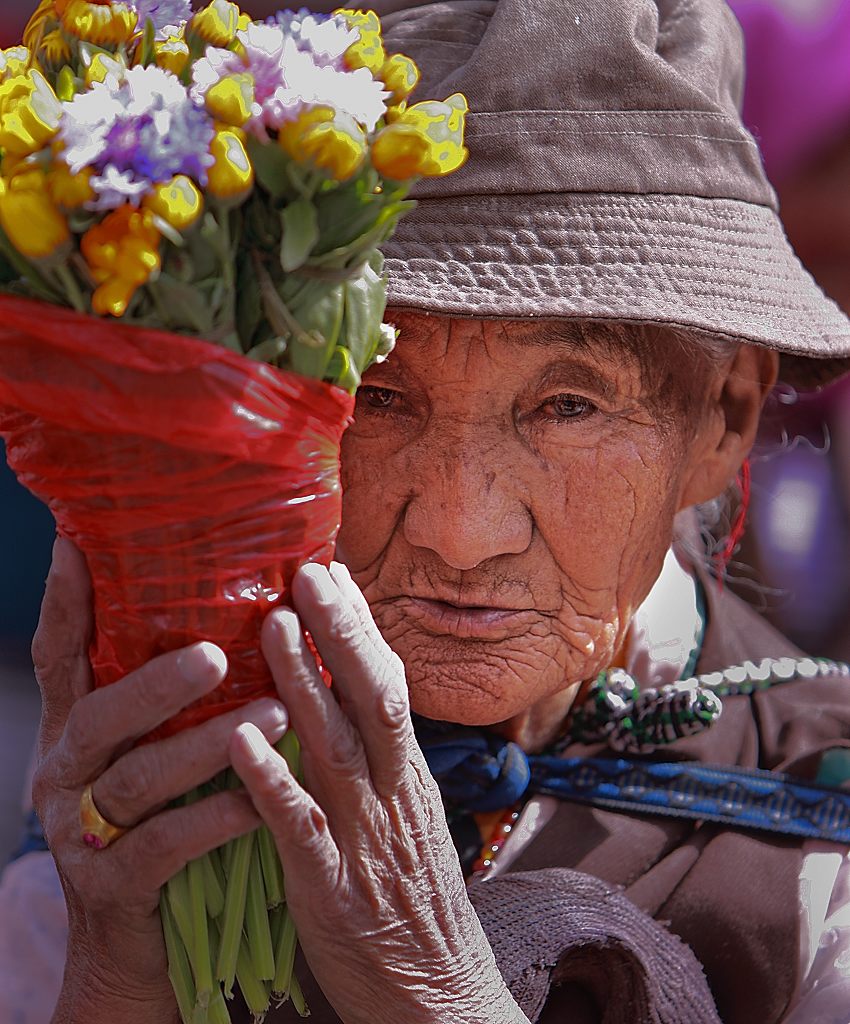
(200,948)
(225,921)
(179,971)
(272,873)
(177,892)
(257,921)
(298,1000)
(69,284)
(285,958)
(234,911)
(290,750)
(213,883)
(218,1012)
(254,990)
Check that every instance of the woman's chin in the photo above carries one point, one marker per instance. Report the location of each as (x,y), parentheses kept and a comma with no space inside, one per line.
(463,704)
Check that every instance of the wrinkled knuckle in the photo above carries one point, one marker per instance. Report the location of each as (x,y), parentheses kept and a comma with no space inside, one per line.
(344,632)
(395,705)
(82,734)
(344,752)
(314,826)
(218,816)
(272,788)
(40,651)
(162,839)
(151,688)
(131,787)
(50,667)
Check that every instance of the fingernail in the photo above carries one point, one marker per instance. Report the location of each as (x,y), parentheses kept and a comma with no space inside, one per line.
(274,717)
(320,581)
(255,741)
(203,663)
(290,627)
(61,554)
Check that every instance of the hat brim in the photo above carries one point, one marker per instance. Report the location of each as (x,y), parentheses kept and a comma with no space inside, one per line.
(721,266)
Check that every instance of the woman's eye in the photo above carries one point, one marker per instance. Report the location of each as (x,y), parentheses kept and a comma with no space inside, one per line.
(377,398)
(568,407)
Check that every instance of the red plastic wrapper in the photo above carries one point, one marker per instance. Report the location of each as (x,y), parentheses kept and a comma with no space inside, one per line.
(194,480)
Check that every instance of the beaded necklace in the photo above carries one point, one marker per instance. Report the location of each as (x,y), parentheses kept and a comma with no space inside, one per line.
(616,711)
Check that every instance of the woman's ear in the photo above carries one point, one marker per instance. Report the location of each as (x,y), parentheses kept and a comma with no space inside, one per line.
(730,423)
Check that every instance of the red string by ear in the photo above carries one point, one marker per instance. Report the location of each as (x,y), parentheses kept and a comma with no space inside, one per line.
(723,557)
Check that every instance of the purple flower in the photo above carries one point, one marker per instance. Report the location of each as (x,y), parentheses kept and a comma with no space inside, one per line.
(136,130)
(165,14)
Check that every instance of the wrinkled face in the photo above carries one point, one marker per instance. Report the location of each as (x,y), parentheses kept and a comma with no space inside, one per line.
(509,496)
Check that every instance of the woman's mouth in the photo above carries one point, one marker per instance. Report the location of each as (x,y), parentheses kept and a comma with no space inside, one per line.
(478,622)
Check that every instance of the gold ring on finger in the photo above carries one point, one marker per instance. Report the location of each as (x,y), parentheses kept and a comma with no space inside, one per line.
(96,830)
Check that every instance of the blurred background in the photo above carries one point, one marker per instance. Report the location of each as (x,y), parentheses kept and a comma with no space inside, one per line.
(793,564)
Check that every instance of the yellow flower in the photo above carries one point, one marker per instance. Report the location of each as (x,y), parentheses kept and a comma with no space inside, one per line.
(178,202)
(368,51)
(104,24)
(43,16)
(423,140)
(13,62)
(218,23)
(55,48)
(69,190)
(400,75)
(29,113)
(231,98)
(330,140)
(29,217)
(122,252)
(232,174)
(171,54)
(101,65)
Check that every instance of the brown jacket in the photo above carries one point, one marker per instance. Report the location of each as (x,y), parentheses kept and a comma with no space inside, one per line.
(572,924)
(732,896)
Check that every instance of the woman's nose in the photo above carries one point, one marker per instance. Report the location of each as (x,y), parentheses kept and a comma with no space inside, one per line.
(467,509)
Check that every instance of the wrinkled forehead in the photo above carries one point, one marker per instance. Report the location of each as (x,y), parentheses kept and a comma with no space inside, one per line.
(633,345)
(668,367)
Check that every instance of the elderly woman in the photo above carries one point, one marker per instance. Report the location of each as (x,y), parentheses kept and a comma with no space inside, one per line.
(591,316)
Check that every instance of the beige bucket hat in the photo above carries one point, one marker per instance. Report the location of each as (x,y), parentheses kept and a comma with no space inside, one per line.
(610,177)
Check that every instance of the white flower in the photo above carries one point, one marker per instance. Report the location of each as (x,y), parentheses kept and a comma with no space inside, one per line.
(287,77)
(136,129)
(15,56)
(114,188)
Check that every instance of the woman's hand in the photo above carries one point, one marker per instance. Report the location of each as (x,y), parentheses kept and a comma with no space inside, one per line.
(116,963)
(372,877)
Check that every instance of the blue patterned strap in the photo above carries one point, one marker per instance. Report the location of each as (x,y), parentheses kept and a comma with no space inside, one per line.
(746,798)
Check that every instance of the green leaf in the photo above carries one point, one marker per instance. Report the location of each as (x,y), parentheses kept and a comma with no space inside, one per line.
(323,321)
(261,223)
(342,371)
(7,271)
(146,52)
(182,306)
(249,312)
(270,166)
(365,302)
(268,351)
(300,234)
(30,278)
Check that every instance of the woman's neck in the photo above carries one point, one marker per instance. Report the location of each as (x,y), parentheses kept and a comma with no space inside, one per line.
(542,723)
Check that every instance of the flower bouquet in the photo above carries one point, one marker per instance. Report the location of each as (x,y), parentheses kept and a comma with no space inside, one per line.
(191,211)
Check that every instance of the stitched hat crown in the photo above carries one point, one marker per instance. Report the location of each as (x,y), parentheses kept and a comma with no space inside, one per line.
(620,96)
